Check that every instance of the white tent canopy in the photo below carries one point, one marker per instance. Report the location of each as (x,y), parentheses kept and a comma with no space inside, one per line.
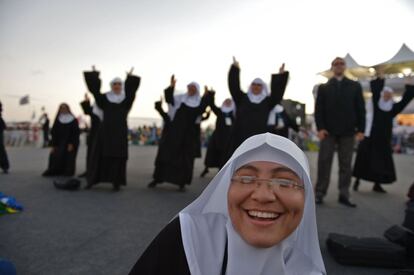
(401,62)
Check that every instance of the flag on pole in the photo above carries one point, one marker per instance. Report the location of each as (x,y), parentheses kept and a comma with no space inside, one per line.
(24,100)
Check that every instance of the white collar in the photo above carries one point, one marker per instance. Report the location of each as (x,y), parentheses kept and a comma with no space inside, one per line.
(65,118)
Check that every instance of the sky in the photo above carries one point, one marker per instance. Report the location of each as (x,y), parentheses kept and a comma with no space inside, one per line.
(46,45)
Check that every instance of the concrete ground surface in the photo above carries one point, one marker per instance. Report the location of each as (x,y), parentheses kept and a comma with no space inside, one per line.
(101,232)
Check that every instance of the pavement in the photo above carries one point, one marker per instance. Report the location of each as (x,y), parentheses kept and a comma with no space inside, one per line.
(101,232)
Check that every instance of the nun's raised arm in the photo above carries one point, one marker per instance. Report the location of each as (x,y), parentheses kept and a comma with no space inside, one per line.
(376,87)
(169,91)
(406,98)
(86,107)
(234,84)
(131,86)
(93,82)
(278,87)
(160,110)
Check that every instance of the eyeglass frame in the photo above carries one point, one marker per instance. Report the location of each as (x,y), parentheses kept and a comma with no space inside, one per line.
(270,182)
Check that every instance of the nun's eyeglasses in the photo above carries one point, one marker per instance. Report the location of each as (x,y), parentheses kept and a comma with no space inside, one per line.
(281,184)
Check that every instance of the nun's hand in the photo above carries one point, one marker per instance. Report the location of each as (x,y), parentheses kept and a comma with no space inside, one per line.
(87,97)
(93,68)
(282,69)
(70,147)
(130,71)
(173,81)
(235,62)
(52,150)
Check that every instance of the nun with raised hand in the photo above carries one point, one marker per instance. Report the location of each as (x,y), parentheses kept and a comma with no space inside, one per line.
(64,144)
(374,161)
(96,116)
(158,174)
(279,122)
(176,161)
(257,216)
(253,107)
(110,148)
(219,140)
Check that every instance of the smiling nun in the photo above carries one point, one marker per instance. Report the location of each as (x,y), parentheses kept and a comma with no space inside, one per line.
(257,216)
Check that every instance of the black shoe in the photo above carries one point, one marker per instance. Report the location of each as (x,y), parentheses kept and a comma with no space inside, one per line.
(378,188)
(5,171)
(318,200)
(204,173)
(356,185)
(116,188)
(345,201)
(152,184)
(182,188)
(83,175)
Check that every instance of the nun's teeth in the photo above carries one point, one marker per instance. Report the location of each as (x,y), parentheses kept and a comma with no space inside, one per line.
(264,215)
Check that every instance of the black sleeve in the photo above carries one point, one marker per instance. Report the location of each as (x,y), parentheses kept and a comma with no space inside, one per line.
(407,97)
(216,110)
(160,110)
(291,123)
(205,101)
(234,84)
(319,109)
(86,107)
(376,87)
(55,134)
(131,86)
(165,255)
(169,95)
(205,116)
(74,135)
(93,82)
(360,109)
(278,87)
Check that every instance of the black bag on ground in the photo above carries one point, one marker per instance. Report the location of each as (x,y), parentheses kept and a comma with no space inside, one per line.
(401,236)
(409,216)
(374,252)
(71,184)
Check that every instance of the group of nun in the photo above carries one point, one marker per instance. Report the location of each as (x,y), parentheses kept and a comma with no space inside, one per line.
(107,141)
(239,117)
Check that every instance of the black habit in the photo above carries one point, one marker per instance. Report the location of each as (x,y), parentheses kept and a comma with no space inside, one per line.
(219,140)
(374,161)
(287,123)
(251,118)
(93,130)
(159,171)
(197,132)
(175,159)
(61,161)
(110,148)
(166,254)
(4,161)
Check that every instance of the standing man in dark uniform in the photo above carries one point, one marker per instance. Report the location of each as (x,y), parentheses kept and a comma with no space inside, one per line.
(340,118)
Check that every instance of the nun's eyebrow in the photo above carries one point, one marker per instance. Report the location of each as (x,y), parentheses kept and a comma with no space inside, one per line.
(248,167)
(284,169)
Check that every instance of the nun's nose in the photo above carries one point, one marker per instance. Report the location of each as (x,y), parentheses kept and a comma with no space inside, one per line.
(263,193)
